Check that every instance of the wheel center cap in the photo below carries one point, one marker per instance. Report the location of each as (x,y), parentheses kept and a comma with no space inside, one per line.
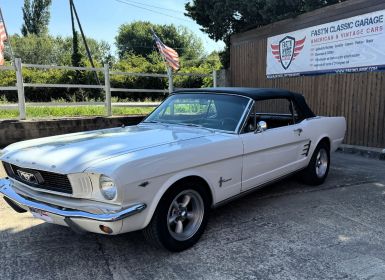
(182,214)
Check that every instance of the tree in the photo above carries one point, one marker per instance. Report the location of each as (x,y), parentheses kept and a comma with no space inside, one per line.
(36,17)
(57,50)
(222,18)
(136,38)
(76,57)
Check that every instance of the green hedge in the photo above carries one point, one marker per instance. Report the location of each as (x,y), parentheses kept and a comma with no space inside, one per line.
(131,63)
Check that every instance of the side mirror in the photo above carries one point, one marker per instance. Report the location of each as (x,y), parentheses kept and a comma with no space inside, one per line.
(261,126)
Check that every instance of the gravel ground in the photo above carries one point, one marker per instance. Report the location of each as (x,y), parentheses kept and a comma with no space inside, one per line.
(285,231)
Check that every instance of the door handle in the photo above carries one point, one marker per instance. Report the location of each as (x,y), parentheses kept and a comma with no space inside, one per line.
(298,131)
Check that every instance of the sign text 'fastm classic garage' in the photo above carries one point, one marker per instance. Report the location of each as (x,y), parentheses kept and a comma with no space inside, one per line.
(355,44)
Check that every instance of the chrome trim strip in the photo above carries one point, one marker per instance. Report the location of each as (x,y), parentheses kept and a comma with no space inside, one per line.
(7,191)
(244,117)
(213,130)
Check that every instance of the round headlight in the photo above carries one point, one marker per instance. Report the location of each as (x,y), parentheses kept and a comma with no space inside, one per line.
(107,187)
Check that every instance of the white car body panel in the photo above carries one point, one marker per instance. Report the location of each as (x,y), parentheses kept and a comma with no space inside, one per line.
(72,153)
(159,155)
(272,154)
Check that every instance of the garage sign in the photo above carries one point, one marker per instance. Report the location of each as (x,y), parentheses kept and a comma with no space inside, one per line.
(350,45)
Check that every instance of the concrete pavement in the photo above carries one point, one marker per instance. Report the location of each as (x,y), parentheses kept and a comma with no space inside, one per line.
(285,231)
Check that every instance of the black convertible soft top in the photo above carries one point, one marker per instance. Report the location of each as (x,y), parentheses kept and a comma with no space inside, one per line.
(258,94)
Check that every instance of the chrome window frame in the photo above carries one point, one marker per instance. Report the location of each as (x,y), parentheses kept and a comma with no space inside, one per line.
(252,106)
(241,121)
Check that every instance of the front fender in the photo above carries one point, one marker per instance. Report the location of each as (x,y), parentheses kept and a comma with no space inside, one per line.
(170,182)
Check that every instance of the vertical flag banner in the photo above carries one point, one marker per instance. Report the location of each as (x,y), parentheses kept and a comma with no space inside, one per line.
(170,55)
(3,38)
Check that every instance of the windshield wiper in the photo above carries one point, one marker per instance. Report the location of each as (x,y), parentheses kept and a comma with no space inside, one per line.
(196,125)
(191,124)
(151,122)
(156,122)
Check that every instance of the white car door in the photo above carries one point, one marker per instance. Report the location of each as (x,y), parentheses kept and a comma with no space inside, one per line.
(273,153)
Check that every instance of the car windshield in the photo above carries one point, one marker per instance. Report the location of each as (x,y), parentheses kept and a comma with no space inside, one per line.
(215,111)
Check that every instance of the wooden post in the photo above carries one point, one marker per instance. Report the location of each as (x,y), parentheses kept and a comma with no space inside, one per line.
(215,78)
(20,88)
(107,89)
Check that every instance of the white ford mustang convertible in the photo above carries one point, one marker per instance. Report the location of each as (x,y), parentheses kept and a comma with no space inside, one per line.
(199,149)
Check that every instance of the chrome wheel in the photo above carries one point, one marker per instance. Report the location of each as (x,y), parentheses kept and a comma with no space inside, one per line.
(185,215)
(321,163)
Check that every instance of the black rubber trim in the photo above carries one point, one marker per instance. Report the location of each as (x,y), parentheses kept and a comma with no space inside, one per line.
(14,206)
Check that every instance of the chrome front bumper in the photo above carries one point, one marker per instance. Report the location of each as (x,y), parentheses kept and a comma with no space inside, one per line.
(7,191)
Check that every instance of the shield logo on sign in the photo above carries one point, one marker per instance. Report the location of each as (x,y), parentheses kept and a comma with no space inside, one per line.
(286,51)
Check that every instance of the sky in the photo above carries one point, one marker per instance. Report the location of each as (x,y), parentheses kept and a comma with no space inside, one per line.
(101,19)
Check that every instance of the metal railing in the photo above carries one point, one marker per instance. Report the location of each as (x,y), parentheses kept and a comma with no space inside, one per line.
(20,85)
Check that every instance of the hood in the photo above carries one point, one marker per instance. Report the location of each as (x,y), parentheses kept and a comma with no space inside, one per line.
(73,153)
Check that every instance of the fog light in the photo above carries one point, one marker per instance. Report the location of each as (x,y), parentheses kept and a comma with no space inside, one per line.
(106,229)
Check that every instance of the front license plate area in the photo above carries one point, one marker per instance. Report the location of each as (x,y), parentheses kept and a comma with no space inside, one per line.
(42,215)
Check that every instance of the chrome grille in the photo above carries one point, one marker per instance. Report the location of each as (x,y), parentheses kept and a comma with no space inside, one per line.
(50,181)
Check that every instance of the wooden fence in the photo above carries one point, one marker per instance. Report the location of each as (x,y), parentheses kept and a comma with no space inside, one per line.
(360,97)
(20,85)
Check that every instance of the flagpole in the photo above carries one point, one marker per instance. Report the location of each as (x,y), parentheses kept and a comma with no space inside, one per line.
(169,75)
(168,69)
(8,38)
(170,80)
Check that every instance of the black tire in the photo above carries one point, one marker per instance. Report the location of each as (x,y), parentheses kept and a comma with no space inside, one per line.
(160,231)
(312,175)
